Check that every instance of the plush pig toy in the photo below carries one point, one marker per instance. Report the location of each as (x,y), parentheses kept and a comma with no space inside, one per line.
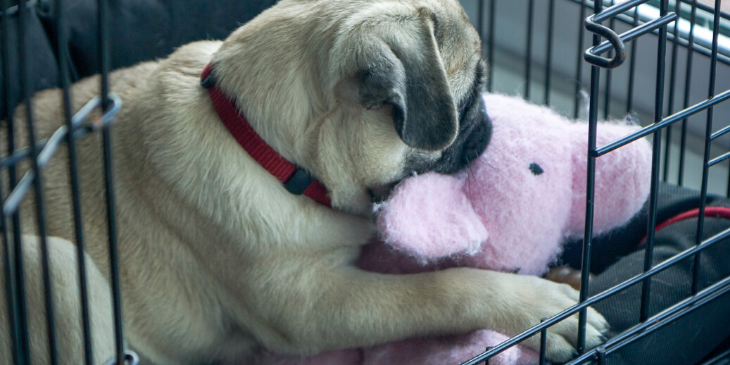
(511,210)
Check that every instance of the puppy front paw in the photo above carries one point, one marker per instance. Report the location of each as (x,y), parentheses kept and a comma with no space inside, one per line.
(539,298)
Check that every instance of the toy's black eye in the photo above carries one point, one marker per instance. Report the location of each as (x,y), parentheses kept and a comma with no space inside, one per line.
(536,169)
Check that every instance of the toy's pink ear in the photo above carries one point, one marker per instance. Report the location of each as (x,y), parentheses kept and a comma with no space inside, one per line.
(622,179)
(430,217)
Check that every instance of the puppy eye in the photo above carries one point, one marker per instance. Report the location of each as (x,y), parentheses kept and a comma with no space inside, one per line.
(536,169)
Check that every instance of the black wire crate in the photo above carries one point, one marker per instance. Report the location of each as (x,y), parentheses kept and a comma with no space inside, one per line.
(664,64)
(23,74)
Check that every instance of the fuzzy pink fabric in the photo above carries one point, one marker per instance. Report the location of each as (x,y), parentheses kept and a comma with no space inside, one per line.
(429,194)
(427,351)
(520,216)
(511,210)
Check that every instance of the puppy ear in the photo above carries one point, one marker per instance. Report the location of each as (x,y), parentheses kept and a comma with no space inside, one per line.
(406,71)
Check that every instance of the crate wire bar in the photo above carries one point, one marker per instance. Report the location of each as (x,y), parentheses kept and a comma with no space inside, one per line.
(39,153)
(688,79)
(708,140)
(20,322)
(15,297)
(63,65)
(105,66)
(615,44)
(672,84)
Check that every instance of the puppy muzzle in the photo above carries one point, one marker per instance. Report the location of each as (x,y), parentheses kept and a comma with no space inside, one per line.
(475,132)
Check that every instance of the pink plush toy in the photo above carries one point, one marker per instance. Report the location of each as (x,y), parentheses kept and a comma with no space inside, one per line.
(510,211)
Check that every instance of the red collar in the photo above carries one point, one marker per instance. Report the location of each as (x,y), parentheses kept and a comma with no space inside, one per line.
(296,180)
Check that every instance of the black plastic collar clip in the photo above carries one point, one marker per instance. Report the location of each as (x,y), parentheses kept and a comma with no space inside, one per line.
(299,182)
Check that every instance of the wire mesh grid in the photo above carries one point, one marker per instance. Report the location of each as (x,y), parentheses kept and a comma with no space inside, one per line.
(82,124)
(77,126)
(614,47)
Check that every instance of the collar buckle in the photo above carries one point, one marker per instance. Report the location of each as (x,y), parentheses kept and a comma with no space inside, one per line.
(299,182)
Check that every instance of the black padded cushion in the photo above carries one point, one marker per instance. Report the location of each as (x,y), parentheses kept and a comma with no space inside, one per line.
(42,66)
(688,339)
(146,29)
(140,30)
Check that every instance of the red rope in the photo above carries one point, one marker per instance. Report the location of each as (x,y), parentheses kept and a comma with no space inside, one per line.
(712,212)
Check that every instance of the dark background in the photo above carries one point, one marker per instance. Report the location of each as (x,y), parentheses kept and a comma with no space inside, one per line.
(140,30)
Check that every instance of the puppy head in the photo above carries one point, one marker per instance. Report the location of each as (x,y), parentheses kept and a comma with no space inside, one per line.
(413,68)
(371,91)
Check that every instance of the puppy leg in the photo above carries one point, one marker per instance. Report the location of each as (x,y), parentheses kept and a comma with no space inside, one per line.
(66,306)
(352,308)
